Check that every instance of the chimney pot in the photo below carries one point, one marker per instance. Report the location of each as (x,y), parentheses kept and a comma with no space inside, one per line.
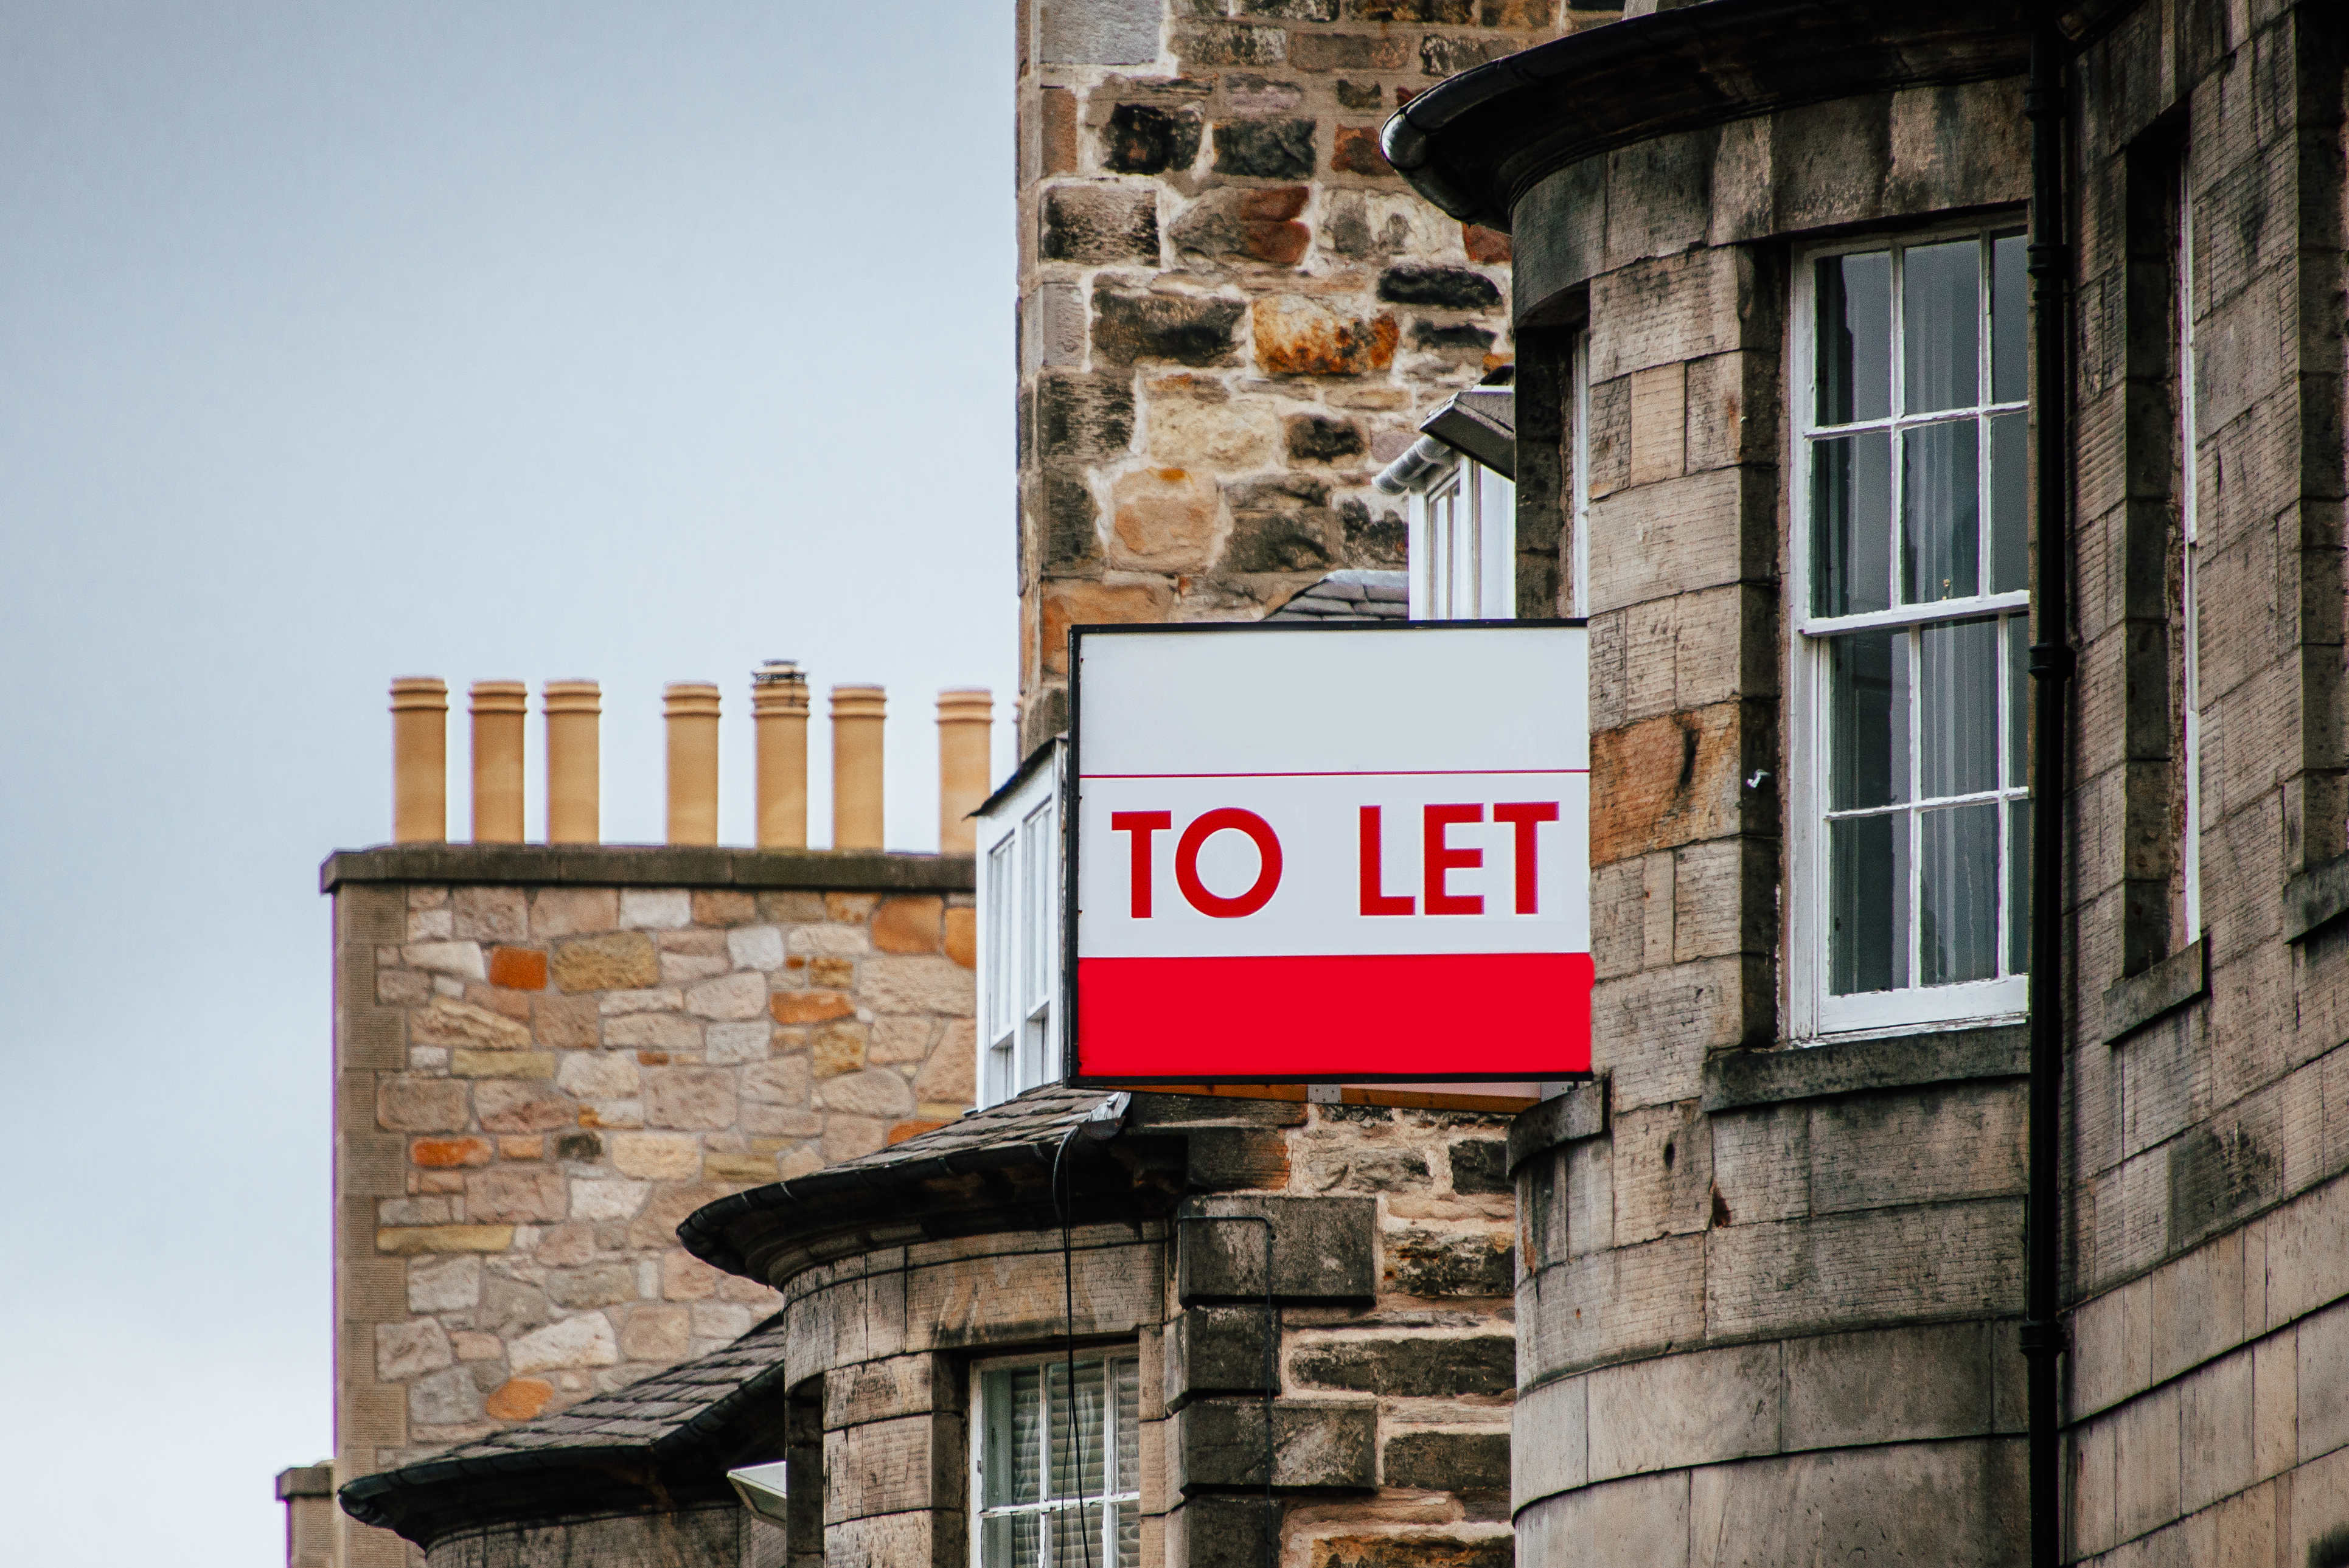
(500,709)
(691,710)
(779,705)
(965,723)
(574,802)
(857,715)
(419,759)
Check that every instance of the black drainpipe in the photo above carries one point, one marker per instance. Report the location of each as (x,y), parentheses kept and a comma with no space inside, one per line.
(2051,671)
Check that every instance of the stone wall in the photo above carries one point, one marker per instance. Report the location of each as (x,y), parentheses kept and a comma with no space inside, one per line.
(547,1059)
(2208,1209)
(1773,1289)
(1768,1292)
(1232,311)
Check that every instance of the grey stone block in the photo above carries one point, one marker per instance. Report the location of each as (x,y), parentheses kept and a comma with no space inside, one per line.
(1097,32)
(1220,1444)
(1420,1365)
(1215,1350)
(1320,1248)
(1580,1112)
(1447,1461)
(1213,1532)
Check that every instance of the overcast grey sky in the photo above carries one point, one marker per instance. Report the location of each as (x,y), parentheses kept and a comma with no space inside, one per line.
(337,342)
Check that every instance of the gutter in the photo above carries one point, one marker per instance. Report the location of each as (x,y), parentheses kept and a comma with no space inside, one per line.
(2052,662)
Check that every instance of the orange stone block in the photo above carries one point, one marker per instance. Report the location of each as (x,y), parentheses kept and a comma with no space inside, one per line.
(810,1007)
(518,968)
(1489,247)
(908,924)
(445,1153)
(904,1129)
(962,937)
(522,1148)
(519,1399)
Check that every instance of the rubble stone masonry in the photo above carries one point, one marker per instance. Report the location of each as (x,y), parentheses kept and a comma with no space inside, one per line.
(1231,312)
(537,1079)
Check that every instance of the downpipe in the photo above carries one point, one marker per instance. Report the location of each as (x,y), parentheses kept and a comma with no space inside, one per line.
(2051,660)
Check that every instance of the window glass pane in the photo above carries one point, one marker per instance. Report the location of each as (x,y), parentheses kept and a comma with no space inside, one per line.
(1957,712)
(1008,1541)
(1076,1537)
(1939,528)
(1067,1479)
(1128,1427)
(1851,524)
(2010,502)
(1867,720)
(1037,892)
(1940,316)
(1002,936)
(2018,700)
(1867,895)
(2018,886)
(2009,304)
(1855,338)
(1957,915)
(1026,1468)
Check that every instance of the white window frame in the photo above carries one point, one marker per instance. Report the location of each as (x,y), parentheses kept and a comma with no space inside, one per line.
(1116,1487)
(1020,853)
(1813,1014)
(1462,544)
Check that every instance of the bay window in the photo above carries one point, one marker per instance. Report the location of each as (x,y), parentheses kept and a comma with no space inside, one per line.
(1910,851)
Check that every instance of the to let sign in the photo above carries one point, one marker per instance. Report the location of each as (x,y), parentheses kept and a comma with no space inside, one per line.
(1330,853)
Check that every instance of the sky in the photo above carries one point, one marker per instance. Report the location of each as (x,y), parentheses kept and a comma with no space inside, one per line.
(340,341)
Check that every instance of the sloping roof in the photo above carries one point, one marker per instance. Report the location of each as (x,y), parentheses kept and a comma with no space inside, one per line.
(987,1171)
(1351,595)
(664,1442)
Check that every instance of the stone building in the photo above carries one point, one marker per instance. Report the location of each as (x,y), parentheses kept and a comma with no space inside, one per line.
(1232,311)
(1774,1265)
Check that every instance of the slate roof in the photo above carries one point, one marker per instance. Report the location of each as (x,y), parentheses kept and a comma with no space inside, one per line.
(659,1443)
(1352,595)
(689,1399)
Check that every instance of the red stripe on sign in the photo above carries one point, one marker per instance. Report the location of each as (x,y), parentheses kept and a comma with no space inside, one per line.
(1329,1018)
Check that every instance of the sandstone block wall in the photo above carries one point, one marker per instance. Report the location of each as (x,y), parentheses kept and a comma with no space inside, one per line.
(1231,312)
(2209,1207)
(1730,1245)
(537,1082)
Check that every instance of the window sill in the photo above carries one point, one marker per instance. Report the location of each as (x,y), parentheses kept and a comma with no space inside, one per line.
(2315,898)
(1745,1077)
(2132,1003)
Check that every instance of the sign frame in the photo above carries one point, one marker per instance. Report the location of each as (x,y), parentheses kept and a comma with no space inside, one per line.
(1071,884)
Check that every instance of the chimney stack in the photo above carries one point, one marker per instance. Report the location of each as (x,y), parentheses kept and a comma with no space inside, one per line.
(691,709)
(573,806)
(857,712)
(499,709)
(778,702)
(419,759)
(966,718)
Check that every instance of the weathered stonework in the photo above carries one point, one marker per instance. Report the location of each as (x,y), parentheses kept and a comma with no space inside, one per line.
(1232,311)
(535,1083)
(1770,1285)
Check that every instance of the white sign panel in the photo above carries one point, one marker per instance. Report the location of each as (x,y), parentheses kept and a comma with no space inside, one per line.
(1327,853)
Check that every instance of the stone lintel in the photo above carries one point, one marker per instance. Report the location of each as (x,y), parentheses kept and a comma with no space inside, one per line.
(650,865)
(2315,898)
(2132,1003)
(1734,1079)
